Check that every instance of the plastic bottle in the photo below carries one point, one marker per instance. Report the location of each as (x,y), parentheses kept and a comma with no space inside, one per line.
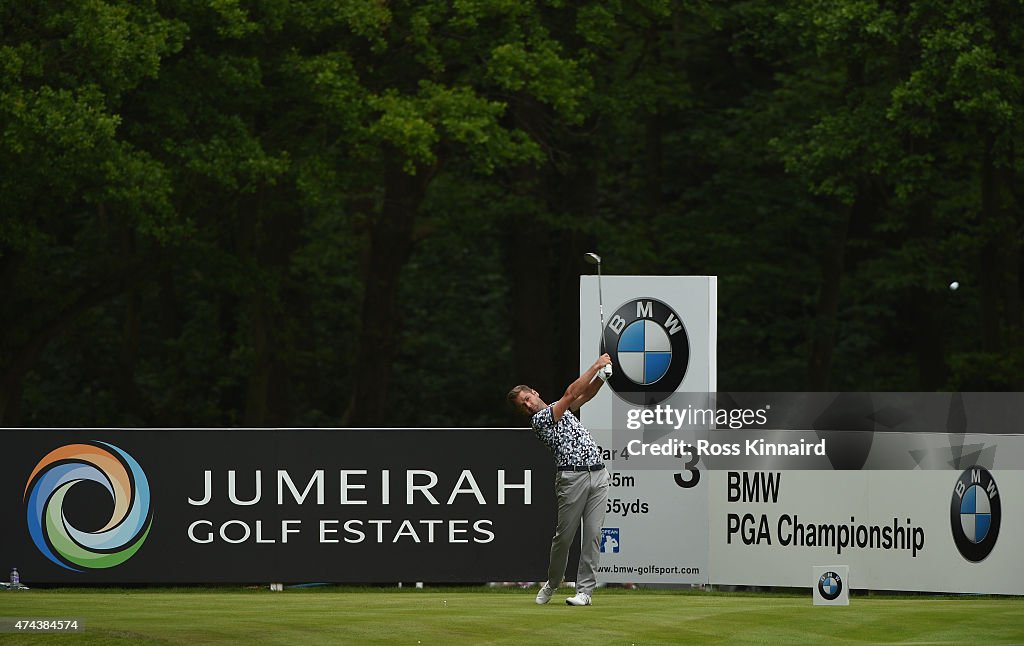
(15,577)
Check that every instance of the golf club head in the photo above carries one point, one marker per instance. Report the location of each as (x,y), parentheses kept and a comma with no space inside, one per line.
(592,258)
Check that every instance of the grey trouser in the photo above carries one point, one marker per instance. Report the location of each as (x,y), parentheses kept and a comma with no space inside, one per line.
(580,495)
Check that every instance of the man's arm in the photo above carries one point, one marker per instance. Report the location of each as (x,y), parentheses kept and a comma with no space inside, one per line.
(581,390)
(587,394)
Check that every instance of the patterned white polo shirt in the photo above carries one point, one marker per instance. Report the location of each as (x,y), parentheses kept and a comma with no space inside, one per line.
(570,443)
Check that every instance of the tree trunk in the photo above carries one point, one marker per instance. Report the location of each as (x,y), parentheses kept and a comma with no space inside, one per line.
(530,317)
(257,388)
(654,195)
(130,400)
(823,335)
(1012,213)
(271,236)
(929,348)
(990,275)
(129,397)
(391,243)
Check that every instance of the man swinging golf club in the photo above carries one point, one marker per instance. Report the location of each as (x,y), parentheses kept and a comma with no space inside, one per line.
(581,480)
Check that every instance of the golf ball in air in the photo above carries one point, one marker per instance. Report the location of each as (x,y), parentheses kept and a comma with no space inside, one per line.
(954,285)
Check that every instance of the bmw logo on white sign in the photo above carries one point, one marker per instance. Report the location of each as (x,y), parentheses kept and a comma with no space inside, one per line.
(831,585)
(975,513)
(649,348)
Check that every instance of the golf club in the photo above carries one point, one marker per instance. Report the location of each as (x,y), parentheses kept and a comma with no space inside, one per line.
(595,259)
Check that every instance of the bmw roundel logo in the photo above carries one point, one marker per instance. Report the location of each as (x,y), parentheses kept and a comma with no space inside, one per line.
(975,513)
(649,348)
(830,586)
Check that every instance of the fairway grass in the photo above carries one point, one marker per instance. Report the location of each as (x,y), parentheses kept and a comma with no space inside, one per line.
(482,616)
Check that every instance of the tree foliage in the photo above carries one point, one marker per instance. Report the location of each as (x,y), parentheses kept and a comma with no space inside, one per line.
(311,212)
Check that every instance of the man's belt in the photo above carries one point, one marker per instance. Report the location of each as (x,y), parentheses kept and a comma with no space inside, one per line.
(579,467)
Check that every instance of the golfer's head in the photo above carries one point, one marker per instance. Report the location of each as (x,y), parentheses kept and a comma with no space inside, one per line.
(525,400)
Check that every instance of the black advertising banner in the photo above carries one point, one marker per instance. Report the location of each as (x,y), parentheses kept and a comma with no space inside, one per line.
(262,505)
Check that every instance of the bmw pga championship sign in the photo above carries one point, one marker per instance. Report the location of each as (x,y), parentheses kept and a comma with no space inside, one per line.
(758,488)
(937,530)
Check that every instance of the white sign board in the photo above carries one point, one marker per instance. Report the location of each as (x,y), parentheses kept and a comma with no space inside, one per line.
(830,585)
(927,530)
(661,332)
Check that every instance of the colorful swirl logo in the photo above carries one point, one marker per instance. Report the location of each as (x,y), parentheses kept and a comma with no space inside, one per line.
(115,471)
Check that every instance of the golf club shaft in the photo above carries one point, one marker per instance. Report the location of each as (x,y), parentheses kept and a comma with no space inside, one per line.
(600,304)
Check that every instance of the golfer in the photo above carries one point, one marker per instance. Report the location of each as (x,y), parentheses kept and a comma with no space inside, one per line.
(581,481)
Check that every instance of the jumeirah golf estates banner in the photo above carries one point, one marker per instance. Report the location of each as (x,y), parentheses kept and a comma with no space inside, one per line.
(289,505)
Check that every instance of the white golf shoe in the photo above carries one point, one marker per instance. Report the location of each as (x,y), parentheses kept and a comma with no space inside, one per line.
(544,594)
(581,599)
